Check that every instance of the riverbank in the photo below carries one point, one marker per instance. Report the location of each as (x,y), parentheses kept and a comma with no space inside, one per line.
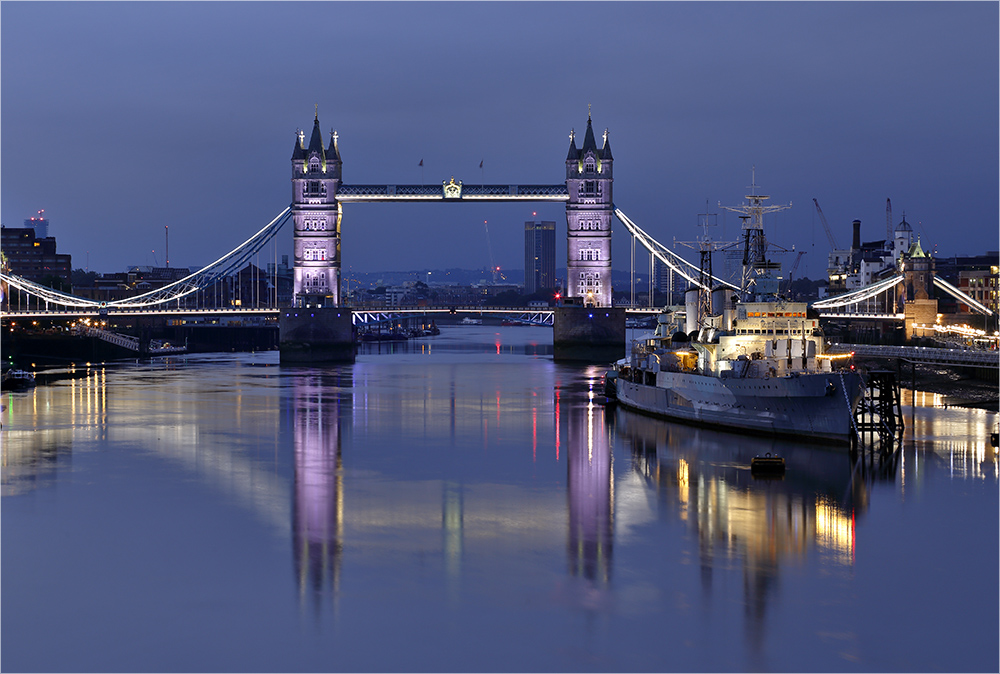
(959,387)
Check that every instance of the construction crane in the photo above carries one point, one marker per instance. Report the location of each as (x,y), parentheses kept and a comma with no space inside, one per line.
(829,234)
(791,272)
(493,267)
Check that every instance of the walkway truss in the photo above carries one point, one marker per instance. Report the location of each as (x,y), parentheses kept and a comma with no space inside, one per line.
(206,277)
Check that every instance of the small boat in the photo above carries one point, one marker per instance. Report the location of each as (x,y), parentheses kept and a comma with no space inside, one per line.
(767,465)
(17,380)
(472,321)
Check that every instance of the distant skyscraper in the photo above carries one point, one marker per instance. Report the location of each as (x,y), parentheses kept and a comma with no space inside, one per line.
(40,224)
(539,256)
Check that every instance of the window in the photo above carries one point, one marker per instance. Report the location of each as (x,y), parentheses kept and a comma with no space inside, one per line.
(314,188)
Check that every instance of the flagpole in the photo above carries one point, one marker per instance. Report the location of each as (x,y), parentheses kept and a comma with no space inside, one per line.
(482,179)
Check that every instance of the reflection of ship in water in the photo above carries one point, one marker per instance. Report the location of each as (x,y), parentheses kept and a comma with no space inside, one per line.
(589,494)
(702,477)
(317,528)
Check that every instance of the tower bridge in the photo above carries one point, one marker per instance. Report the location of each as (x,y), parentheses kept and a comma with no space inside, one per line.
(316,212)
(318,195)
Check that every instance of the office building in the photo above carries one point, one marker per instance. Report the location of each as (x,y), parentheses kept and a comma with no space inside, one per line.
(539,256)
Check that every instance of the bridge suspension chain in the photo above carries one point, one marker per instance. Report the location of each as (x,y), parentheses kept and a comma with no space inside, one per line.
(205,277)
(860,295)
(689,271)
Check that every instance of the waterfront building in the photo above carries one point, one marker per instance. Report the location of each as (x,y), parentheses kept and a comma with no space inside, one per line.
(980,285)
(865,263)
(316,214)
(539,256)
(589,177)
(35,258)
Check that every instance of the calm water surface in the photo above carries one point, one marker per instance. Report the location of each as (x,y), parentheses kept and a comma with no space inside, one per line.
(460,504)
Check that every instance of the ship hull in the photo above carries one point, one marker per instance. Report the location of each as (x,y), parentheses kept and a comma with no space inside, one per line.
(808,405)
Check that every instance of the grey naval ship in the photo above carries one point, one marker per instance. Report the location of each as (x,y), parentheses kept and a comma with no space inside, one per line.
(742,358)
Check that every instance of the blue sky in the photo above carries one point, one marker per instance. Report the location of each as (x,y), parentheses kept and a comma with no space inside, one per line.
(120,118)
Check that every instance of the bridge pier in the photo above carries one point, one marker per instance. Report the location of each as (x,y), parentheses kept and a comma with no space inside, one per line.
(593,334)
(315,335)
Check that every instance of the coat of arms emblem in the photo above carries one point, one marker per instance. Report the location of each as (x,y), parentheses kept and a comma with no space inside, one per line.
(452,190)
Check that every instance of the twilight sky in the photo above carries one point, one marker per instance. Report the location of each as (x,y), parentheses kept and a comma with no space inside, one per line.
(119,118)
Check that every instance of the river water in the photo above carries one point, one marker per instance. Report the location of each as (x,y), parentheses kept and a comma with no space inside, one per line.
(460,504)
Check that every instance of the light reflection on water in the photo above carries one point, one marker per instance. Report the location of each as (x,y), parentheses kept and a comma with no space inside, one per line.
(475,484)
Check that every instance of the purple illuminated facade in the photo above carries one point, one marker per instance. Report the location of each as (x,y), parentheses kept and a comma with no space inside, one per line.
(316,175)
(588,220)
(590,495)
(318,505)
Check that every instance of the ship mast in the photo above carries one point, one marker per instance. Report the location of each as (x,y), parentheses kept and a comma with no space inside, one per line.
(756,277)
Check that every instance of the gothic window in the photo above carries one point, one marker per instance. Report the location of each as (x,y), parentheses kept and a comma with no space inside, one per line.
(589,166)
(314,188)
(314,165)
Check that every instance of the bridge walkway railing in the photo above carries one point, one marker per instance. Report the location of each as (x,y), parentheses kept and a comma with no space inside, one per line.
(924,354)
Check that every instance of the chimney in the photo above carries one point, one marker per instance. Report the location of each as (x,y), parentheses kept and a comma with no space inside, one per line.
(857,235)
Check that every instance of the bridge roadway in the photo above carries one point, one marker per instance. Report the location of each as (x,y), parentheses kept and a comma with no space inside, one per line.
(361,316)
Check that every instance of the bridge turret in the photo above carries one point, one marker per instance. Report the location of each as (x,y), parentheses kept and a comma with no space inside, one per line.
(588,220)
(316,174)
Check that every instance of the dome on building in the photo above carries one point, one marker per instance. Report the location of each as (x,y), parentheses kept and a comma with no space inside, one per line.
(904,226)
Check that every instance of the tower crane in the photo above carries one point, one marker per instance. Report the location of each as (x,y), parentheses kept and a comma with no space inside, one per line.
(493,267)
(791,272)
(829,234)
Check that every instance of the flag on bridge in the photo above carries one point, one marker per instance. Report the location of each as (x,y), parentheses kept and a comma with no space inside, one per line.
(480,164)
(421,163)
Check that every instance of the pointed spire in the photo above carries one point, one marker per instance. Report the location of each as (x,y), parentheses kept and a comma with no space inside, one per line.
(573,153)
(299,151)
(589,143)
(316,140)
(334,152)
(606,150)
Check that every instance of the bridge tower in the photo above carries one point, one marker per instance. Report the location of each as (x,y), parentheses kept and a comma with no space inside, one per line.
(316,214)
(588,220)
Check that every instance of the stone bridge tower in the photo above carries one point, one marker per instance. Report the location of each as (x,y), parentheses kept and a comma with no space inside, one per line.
(588,220)
(316,215)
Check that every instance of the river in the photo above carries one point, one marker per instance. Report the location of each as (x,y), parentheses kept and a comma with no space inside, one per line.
(459,503)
